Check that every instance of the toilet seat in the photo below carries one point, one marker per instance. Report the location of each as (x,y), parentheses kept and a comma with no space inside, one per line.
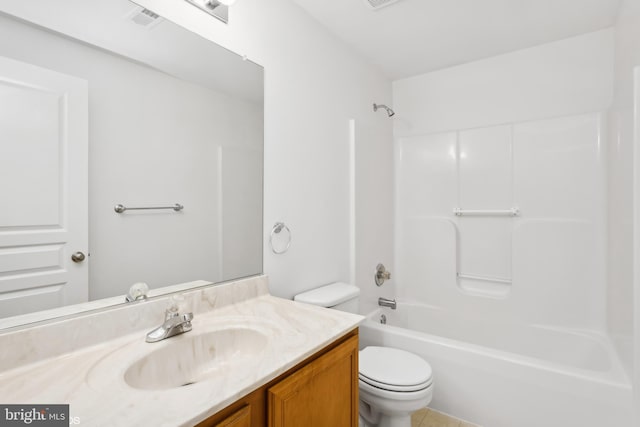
(393,387)
(369,392)
(393,370)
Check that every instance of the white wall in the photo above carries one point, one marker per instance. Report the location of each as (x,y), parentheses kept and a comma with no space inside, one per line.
(524,130)
(622,193)
(374,207)
(313,86)
(140,154)
(571,76)
(636,248)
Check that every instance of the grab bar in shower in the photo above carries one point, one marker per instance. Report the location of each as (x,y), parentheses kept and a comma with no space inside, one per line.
(121,208)
(484,278)
(503,212)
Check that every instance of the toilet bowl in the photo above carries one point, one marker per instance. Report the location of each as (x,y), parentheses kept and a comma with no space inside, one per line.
(393,383)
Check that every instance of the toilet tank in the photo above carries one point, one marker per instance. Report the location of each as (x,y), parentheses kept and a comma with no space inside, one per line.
(340,296)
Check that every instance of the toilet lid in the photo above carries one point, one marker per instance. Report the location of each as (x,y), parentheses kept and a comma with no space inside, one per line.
(393,369)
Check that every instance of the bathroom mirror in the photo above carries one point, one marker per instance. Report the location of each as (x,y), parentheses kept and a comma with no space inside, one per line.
(105,104)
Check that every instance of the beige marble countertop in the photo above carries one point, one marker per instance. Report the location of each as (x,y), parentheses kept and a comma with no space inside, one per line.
(92,379)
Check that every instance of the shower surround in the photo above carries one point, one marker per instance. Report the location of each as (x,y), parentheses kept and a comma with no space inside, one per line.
(509,303)
(546,265)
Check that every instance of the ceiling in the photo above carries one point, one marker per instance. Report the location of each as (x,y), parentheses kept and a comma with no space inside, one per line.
(412,37)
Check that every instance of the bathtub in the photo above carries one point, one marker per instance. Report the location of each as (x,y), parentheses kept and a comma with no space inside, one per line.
(508,375)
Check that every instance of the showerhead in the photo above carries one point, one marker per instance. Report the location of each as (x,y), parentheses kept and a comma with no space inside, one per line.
(390,112)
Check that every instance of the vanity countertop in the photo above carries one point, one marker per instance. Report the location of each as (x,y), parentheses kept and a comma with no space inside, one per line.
(92,379)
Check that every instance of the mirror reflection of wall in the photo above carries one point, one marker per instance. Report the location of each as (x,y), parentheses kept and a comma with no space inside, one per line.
(154,138)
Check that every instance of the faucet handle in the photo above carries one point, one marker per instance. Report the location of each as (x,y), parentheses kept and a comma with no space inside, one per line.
(138,291)
(381,275)
(176,304)
(186,325)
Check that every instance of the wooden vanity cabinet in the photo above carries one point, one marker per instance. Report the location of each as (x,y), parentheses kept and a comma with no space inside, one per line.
(322,391)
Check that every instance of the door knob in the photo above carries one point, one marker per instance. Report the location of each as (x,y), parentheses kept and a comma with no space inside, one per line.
(77,257)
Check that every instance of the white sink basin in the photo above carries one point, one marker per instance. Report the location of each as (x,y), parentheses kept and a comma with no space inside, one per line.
(196,357)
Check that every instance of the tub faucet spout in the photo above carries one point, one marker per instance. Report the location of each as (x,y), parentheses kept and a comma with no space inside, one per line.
(384,302)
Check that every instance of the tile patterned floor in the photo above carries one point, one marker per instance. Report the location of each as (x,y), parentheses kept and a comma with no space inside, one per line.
(430,418)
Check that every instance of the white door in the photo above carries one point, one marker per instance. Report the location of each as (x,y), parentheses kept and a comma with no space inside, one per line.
(43,188)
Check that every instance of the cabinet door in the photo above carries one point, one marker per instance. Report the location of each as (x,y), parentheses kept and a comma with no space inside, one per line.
(240,418)
(322,394)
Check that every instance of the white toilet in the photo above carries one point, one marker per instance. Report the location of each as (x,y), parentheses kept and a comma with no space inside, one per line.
(393,383)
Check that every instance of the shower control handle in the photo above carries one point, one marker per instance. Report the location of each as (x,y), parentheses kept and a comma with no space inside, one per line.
(381,275)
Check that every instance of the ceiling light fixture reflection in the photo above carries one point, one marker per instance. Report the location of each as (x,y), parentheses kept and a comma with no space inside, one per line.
(219,9)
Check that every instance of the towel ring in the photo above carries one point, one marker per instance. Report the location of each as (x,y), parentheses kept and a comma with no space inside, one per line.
(277,229)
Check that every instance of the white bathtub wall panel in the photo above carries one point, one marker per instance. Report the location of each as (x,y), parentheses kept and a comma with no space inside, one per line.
(553,253)
(557,274)
(485,183)
(569,76)
(427,181)
(577,78)
(485,246)
(559,167)
(426,260)
(559,239)
(426,236)
(486,180)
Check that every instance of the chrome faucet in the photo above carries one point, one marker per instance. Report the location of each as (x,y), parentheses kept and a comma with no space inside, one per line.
(384,302)
(174,324)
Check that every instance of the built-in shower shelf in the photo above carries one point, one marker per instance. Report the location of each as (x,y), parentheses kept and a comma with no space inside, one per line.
(484,278)
(484,286)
